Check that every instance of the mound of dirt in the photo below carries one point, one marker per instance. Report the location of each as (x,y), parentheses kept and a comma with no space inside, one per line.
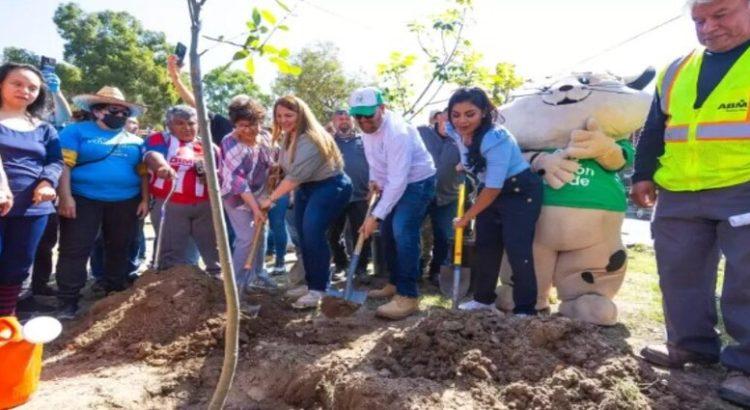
(543,362)
(288,358)
(166,316)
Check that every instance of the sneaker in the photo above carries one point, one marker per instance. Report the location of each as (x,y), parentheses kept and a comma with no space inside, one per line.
(32,305)
(736,389)
(296,292)
(263,282)
(67,311)
(311,300)
(278,270)
(474,305)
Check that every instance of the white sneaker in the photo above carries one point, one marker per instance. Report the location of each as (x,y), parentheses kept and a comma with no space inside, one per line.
(296,292)
(474,305)
(309,301)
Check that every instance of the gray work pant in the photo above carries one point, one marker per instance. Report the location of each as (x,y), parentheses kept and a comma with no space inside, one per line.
(690,230)
(184,222)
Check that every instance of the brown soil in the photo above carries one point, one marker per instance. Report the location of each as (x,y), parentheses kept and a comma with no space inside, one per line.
(158,345)
(334,307)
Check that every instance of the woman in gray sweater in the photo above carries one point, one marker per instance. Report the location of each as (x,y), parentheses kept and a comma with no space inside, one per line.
(313,169)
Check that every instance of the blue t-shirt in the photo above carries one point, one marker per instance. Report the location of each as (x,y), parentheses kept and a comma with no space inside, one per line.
(115,178)
(501,152)
(28,158)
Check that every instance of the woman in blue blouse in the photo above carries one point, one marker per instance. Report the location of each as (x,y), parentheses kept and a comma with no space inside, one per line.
(508,204)
(32,161)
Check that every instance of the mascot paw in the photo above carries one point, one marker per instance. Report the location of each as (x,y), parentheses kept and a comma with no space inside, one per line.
(556,169)
(591,308)
(590,143)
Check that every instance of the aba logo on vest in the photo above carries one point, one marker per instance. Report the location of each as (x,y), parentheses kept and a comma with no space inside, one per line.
(739,106)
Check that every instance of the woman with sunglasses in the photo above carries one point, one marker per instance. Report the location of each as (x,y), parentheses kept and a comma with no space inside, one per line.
(103,185)
(31,167)
(314,170)
(508,204)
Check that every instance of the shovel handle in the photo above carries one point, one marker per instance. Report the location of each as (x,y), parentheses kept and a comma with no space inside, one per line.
(354,261)
(254,246)
(459,232)
(458,244)
(162,221)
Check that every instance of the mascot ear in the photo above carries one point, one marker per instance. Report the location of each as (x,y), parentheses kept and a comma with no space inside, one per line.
(640,82)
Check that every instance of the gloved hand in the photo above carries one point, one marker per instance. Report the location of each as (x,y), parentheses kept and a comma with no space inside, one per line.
(558,169)
(53,82)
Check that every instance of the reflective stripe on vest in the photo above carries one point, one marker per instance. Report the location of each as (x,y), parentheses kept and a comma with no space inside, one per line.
(707,147)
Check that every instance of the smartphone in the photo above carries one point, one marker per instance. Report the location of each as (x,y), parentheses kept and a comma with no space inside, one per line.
(179,51)
(47,64)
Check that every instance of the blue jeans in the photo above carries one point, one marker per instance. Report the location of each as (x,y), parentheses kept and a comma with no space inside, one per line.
(317,205)
(442,232)
(277,237)
(509,223)
(19,237)
(400,234)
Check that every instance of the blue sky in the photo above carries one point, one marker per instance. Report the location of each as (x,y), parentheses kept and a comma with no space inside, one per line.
(541,37)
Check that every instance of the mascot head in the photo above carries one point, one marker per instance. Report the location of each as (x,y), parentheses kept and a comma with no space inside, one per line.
(544,116)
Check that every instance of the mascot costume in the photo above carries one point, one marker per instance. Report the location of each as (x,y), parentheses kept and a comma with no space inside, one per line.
(575,133)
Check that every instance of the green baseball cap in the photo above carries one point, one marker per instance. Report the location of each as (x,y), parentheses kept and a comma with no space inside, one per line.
(365,101)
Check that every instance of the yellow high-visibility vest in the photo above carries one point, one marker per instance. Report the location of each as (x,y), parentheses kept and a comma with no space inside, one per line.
(708,147)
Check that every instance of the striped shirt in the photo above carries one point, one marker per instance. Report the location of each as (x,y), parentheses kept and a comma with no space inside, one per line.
(244,168)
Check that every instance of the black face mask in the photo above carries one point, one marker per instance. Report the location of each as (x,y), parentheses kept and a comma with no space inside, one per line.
(114,122)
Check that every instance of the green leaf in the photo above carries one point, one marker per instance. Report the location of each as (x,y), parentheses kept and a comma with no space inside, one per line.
(268,16)
(256,16)
(284,66)
(250,66)
(283,6)
(283,27)
(269,49)
(240,55)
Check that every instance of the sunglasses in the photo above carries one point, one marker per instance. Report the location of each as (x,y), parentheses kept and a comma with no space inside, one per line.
(360,116)
(119,111)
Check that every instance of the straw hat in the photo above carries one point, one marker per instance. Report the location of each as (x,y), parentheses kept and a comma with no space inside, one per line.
(107,95)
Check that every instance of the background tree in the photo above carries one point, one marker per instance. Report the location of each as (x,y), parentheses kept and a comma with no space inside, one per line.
(322,82)
(450,59)
(69,75)
(221,85)
(113,48)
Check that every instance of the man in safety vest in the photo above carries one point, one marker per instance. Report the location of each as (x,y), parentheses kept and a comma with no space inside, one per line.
(695,153)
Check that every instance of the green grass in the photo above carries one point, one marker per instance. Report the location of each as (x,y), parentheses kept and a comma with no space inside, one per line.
(640,301)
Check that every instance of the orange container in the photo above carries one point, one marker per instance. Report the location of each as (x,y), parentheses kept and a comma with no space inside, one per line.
(20,364)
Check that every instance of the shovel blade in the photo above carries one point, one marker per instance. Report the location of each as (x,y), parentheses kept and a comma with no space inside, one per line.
(446,278)
(356,296)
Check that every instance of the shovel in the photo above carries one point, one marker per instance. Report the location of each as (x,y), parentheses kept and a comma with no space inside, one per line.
(454,283)
(250,261)
(336,303)
(162,220)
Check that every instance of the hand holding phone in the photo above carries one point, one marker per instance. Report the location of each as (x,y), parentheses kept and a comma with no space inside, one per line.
(180,50)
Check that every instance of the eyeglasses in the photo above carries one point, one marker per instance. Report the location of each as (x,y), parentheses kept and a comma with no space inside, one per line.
(360,116)
(123,112)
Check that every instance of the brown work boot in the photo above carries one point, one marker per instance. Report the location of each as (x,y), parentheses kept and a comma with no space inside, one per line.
(398,308)
(385,292)
(674,357)
(736,389)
